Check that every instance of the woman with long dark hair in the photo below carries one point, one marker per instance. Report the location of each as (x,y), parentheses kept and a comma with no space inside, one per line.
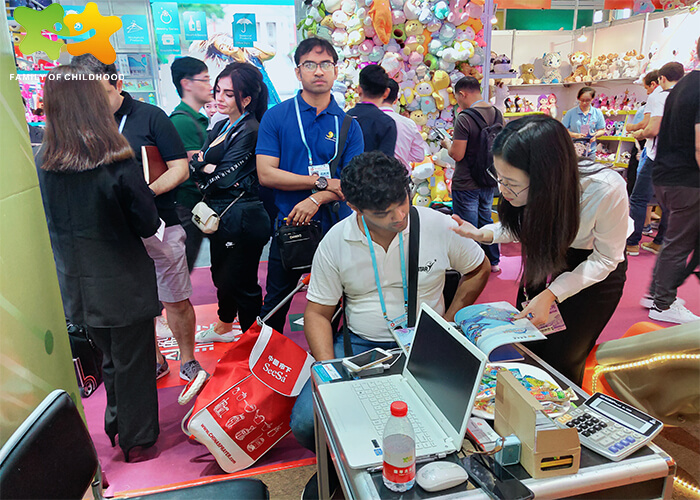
(98,208)
(225,172)
(571,220)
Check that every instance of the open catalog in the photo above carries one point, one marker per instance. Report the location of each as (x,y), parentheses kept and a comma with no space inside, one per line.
(488,326)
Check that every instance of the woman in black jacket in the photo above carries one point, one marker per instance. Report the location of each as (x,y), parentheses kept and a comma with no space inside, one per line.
(98,208)
(225,172)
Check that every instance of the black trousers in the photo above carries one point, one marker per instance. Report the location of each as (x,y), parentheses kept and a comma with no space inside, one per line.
(194,235)
(234,270)
(585,315)
(129,374)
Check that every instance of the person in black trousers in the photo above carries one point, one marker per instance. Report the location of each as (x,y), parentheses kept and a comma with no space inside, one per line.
(571,220)
(98,208)
(225,172)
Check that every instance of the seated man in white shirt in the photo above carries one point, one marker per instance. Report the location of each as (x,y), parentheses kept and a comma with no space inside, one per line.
(376,187)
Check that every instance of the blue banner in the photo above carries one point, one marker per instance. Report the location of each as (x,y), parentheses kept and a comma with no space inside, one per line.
(165,17)
(244,30)
(135,30)
(195,24)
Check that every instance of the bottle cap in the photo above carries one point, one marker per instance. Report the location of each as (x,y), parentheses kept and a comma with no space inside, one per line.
(399,409)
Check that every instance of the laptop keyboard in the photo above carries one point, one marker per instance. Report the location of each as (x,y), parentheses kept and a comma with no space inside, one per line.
(376,396)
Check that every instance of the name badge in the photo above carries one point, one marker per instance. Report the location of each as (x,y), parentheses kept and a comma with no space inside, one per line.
(320,170)
(398,323)
(586,129)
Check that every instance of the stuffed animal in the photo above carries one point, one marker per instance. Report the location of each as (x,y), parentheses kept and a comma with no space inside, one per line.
(551,61)
(438,186)
(424,93)
(380,13)
(599,68)
(543,104)
(579,67)
(633,63)
(459,12)
(508,105)
(614,65)
(421,186)
(527,73)
(442,91)
(501,64)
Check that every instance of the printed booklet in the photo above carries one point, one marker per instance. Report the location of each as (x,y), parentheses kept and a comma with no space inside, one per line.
(488,326)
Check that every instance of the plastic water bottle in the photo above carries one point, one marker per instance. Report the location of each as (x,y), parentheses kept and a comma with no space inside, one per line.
(399,450)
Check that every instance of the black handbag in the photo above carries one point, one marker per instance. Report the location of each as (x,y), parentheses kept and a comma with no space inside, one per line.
(297,245)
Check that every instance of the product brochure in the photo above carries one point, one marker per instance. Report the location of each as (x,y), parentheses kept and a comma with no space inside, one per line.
(490,327)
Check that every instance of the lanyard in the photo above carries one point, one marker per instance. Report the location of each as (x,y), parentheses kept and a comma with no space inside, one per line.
(477,102)
(399,322)
(122,123)
(303,136)
(223,134)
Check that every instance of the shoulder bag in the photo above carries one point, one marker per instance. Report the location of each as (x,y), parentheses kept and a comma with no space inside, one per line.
(297,244)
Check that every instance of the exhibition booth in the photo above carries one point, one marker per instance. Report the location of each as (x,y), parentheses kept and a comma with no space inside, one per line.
(536,433)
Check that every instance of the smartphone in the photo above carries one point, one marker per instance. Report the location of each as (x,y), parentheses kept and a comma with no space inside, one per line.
(494,479)
(366,359)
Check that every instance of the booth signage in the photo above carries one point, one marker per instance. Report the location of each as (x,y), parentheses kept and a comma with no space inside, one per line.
(165,18)
(135,30)
(244,30)
(195,24)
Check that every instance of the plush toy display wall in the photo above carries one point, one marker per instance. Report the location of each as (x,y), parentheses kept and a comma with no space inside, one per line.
(425,45)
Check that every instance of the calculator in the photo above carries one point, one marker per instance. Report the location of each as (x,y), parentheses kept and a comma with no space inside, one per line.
(610,427)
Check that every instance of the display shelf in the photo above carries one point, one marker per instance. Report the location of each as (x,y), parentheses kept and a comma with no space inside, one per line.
(37,124)
(614,112)
(612,164)
(615,138)
(518,115)
(33,72)
(567,84)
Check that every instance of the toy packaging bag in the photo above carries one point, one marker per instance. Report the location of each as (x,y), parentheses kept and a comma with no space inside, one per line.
(244,409)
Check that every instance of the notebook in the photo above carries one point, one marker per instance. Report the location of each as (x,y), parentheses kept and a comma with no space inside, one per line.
(439,383)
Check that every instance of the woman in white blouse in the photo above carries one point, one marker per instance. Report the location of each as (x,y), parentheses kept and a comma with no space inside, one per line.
(572,222)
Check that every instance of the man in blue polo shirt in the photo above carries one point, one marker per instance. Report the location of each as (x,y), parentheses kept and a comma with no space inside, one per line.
(297,140)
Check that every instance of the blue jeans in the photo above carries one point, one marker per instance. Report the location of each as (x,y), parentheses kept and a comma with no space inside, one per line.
(639,200)
(474,206)
(302,420)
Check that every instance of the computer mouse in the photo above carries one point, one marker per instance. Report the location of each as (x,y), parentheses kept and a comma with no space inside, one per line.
(438,476)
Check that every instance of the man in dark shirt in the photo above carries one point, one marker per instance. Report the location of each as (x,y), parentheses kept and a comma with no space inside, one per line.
(191,80)
(147,125)
(676,176)
(378,129)
(471,201)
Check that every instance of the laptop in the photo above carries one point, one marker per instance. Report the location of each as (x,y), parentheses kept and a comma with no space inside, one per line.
(439,384)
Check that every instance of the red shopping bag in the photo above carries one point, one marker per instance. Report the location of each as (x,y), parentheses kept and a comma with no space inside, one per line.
(244,408)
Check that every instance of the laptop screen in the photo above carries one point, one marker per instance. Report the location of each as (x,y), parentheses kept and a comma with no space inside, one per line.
(445,369)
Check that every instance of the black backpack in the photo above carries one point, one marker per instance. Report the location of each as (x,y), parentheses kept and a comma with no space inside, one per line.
(483,157)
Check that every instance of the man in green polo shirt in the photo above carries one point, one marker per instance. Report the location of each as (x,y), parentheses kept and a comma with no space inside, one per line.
(191,79)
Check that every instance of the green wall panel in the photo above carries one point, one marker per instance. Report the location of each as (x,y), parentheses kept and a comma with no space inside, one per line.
(34,350)
(525,19)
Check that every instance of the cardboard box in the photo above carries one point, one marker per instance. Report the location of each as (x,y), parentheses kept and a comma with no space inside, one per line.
(516,413)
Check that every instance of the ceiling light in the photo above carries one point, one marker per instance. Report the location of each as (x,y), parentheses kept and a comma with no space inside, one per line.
(583,37)
(494,20)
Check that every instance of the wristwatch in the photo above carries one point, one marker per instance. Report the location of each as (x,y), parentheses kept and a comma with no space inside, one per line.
(321,183)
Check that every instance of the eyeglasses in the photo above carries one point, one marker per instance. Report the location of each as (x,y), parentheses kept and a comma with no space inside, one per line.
(494,176)
(206,80)
(310,66)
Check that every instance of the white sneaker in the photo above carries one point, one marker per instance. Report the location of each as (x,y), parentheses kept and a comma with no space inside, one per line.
(674,314)
(647,301)
(209,335)
(163,330)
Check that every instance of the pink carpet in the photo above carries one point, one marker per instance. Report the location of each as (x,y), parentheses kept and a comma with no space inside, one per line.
(175,458)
